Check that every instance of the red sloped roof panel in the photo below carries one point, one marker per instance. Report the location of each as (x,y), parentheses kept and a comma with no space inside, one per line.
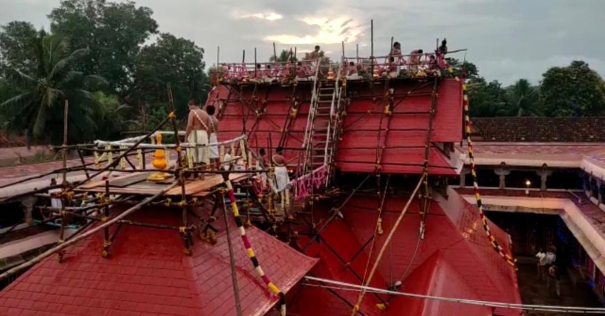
(147,273)
(428,279)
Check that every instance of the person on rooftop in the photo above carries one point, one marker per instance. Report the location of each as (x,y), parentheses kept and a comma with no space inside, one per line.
(352,73)
(415,60)
(281,172)
(396,51)
(210,109)
(268,74)
(196,133)
(314,56)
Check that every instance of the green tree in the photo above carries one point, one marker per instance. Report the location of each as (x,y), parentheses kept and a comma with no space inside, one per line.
(575,90)
(175,61)
(16,39)
(114,33)
(39,111)
(470,70)
(486,99)
(284,56)
(111,117)
(523,99)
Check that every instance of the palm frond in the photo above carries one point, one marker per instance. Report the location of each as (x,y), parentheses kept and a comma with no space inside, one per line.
(64,66)
(19,101)
(95,81)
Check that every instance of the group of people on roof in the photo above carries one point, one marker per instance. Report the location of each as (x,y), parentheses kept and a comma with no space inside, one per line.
(416,64)
(202,131)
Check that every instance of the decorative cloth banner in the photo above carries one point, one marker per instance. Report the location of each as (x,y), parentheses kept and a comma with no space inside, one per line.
(304,185)
(251,255)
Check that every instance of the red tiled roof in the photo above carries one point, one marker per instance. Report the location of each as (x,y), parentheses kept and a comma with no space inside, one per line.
(427,279)
(147,274)
(540,151)
(453,228)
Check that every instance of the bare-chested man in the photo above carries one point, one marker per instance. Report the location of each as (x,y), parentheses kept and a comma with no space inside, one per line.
(314,56)
(281,172)
(197,131)
(213,127)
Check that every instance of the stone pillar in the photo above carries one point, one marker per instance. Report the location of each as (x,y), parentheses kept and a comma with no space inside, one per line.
(543,177)
(502,173)
(599,197)
(463,174)
(28,207)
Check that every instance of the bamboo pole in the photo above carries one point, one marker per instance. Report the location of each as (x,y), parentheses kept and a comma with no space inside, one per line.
(84,235)
(179,174)
(238,305)
(255,64)
(274,52)
(218,54)
(386,243)
(65,117)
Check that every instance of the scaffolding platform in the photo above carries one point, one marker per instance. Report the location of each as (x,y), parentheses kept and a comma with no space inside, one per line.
(137,184)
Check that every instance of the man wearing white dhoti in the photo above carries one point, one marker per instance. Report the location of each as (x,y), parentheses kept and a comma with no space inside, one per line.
(55,203)
(210,109)
(281,172)
(197,132)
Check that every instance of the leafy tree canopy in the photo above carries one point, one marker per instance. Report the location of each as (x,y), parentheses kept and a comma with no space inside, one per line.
(575,90)
(175,61)
(112,31)
(39,110)
(17,38)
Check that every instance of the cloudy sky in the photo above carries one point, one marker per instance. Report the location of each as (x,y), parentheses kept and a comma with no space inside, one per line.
(506,39)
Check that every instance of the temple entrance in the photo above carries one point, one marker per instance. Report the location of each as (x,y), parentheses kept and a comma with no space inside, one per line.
(532,232)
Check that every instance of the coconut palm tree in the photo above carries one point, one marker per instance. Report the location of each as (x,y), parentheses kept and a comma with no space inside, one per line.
(522,99)
(38,111)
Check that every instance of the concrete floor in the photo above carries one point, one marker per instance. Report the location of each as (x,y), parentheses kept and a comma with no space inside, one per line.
(535,292)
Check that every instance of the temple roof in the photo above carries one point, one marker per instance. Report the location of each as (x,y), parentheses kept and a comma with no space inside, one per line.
(453,231)
(147,273)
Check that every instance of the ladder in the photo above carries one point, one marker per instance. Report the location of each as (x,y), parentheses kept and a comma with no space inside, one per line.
(336,109)
(320,140)
(308,136)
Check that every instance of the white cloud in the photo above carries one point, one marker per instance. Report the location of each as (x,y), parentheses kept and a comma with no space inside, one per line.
(331,31)
(270,16)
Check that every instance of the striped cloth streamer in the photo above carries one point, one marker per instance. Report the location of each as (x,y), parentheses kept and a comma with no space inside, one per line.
(467,131)
(248,246)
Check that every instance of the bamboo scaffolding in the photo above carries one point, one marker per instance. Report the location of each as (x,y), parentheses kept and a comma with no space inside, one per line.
(386,243)
(85,235)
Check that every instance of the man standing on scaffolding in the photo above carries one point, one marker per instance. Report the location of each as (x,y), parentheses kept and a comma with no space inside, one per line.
(281,172)
(214,157)
(197,132)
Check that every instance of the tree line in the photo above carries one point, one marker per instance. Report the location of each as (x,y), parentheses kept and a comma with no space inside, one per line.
(95,56)
(571,91)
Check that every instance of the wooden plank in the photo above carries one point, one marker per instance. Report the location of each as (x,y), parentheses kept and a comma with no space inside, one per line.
(125,182)
(199,188)
(95,184)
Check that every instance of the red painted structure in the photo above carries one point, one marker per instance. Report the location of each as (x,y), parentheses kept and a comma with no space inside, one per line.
(148,275)
(454,260)
(265,108)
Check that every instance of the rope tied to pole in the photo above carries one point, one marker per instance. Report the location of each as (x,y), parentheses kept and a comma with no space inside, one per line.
(467,131)
(250,251)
